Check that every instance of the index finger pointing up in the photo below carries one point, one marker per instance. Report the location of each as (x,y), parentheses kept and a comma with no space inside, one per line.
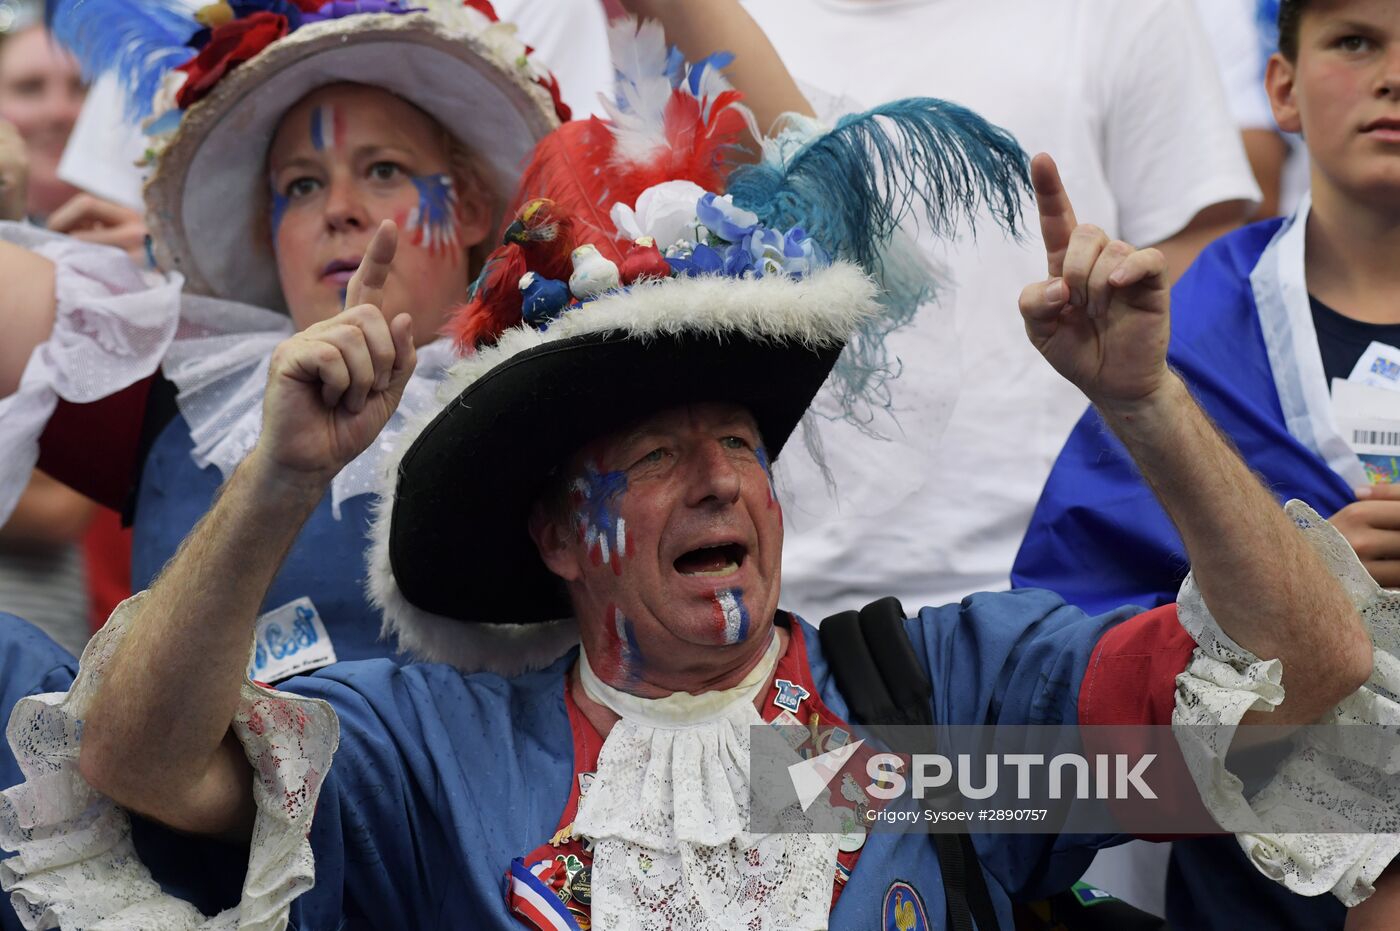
(1057,220)
(367,284)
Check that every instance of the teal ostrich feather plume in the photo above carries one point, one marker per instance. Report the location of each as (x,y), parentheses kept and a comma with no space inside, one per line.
(850,189)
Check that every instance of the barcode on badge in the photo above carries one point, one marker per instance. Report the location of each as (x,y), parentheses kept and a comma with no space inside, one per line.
(1376,437)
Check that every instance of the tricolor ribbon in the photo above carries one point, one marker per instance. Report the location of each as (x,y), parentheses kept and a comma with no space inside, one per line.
(532,899)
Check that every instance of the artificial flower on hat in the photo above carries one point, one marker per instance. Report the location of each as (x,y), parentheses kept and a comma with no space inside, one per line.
(229,45)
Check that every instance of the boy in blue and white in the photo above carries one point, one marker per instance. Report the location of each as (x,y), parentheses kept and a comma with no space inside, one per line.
(1265,323)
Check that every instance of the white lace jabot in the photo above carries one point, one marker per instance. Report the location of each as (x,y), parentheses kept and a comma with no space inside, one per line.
(668,817)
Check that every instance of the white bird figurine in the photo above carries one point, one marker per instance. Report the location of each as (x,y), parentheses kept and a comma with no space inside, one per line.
(593,273)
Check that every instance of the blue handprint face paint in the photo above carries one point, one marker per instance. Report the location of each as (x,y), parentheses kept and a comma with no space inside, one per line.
(434,224)
(597,516)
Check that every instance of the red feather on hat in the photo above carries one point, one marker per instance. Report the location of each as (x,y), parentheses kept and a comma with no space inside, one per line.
(493,304)
(570,167)
(668,122)
(664,126)
(699,136)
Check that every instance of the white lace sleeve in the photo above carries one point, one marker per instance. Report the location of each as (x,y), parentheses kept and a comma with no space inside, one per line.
(1322,780)
(113,325)
(76,865)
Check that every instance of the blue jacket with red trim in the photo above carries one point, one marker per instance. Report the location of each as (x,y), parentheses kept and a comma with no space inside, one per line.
(441,779)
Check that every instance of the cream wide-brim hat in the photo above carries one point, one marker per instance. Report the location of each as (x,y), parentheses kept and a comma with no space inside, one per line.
(207,201)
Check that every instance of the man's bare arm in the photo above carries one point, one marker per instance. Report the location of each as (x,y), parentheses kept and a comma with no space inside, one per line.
(48,513)
(27,305)
(700,29)
(157,738)
(1102,321)
(1263,582)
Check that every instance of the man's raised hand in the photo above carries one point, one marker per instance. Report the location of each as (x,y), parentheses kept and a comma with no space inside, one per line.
(334,385)
(1101,318)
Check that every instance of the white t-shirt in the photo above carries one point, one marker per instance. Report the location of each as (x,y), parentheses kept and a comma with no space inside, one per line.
(1125,95)
(1241,55)
(571,38)
(1231,28)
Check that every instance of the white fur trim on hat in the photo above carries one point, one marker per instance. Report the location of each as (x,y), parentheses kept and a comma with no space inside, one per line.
(819,310)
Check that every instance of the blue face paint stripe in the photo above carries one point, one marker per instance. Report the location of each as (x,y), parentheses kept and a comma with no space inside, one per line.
(279,209)
(733,615)
(631,650)
(761,454)
(318,131)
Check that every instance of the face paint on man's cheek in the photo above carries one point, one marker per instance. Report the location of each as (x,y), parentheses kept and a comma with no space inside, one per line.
(597,515)
(434,225)
(731,615)
(327,129)
(622,659)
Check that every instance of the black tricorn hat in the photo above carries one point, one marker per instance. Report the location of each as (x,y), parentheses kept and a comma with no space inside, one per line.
(452,564)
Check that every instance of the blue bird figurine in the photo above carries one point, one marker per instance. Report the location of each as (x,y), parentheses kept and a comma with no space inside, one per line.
(542,299)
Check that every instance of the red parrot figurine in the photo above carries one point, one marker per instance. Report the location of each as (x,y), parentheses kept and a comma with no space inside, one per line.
(546,236)
(540,241)
(493,301)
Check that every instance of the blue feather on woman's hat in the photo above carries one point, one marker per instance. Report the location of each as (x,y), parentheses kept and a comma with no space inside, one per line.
(650,266)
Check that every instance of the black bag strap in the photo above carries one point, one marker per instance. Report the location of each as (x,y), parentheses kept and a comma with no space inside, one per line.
(880,677)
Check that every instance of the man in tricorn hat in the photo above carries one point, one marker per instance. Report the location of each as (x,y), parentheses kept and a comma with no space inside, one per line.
(607,461)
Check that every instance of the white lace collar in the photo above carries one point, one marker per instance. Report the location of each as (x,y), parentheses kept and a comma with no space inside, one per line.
(219,362)
(668,814)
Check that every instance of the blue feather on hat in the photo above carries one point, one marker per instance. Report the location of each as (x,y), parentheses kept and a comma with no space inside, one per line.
(138,40)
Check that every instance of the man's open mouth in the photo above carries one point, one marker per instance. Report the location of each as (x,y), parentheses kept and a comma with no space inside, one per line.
(712,560)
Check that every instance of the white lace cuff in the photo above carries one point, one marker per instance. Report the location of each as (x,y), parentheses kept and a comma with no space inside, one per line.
(112,327)
(1323,780)
(76,865)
